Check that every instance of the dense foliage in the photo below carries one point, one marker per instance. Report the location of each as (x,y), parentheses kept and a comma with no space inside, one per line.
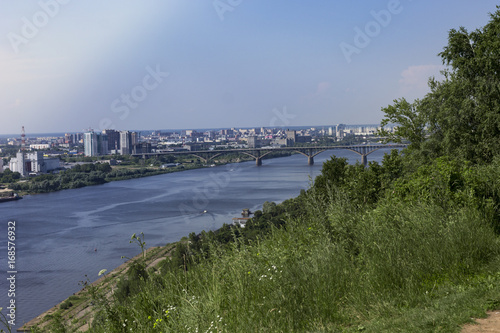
(460,117)
(9,177)
(80,176)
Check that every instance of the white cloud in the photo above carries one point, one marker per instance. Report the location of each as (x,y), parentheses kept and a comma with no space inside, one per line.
(414,79)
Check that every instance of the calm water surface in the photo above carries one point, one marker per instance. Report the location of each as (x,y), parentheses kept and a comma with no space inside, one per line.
(57,233)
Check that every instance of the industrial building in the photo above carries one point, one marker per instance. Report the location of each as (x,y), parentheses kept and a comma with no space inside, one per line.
(33,163)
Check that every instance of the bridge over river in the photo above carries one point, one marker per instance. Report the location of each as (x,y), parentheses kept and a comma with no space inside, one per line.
(259,153)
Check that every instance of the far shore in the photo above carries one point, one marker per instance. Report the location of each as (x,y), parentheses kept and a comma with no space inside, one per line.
(155,171)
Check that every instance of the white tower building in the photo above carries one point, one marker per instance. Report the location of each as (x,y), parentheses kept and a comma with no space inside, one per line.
(90,143)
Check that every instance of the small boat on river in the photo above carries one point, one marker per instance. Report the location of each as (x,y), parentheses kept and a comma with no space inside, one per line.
(13,197)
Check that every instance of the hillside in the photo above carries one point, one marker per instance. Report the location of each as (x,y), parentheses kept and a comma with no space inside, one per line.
(408,245)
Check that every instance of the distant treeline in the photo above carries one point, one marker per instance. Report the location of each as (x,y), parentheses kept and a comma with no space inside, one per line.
(80,176)
(99,173)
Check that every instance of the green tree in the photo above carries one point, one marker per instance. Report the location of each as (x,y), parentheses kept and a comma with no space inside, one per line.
(411,122)
(460,117)
(333,175)
(268,207)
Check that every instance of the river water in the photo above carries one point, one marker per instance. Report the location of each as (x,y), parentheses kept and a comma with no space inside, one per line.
(63,236)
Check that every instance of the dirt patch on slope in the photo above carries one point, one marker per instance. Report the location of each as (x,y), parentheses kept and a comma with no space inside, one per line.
(488,324)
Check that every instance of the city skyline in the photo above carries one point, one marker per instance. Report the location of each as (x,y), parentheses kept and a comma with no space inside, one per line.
(179,130)
(30,159)
(174,64)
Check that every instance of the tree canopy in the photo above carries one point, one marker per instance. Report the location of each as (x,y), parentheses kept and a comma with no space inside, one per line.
(460,116)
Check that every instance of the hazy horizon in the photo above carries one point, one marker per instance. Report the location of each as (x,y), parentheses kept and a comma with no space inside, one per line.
(13,135)
(69,65)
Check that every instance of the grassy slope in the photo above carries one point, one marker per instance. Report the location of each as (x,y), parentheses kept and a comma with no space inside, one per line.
(422,257)
(395,268)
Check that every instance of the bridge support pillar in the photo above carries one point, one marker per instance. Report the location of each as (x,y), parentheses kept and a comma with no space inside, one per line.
(258,161)
(364,160)
(310,160)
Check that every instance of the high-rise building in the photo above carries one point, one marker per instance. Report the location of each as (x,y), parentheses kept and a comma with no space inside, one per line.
(17,164)
(113,139)
(21,167)
(90,143)
(102,144)
(77,137)
(127,142)
(95,144)
(134,138)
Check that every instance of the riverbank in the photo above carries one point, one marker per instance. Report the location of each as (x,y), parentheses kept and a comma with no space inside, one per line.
(77,309)
(97,174)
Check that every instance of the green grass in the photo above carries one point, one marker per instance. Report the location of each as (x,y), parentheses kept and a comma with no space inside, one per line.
(412,268)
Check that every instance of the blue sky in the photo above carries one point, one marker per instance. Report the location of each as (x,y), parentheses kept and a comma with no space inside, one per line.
(154,64)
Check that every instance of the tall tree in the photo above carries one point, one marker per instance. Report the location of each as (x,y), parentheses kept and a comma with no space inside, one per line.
(460,117)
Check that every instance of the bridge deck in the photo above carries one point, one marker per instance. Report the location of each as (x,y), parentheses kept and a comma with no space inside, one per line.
(368,148)
(259,153)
